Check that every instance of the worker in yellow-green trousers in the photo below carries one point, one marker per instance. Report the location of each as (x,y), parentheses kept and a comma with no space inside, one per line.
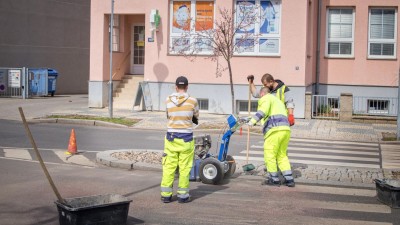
(276,129)
(182,112)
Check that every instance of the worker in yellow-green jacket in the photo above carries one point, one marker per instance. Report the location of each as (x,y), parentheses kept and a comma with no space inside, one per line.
(276,129)
(182,112)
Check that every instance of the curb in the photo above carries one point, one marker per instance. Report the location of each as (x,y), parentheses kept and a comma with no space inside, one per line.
(78,122)
(106,159)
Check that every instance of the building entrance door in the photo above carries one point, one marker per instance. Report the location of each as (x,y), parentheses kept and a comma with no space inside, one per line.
(137,49)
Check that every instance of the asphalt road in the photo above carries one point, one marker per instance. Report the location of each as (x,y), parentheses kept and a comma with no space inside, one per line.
(26,198)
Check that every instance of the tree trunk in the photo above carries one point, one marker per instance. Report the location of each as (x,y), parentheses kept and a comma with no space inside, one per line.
(231,83)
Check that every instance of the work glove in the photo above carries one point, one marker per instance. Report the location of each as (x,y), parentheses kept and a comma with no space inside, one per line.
(250,124)
(195,120)
(291,119)
(250,78)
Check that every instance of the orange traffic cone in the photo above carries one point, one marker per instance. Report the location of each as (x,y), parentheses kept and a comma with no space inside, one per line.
(72,149)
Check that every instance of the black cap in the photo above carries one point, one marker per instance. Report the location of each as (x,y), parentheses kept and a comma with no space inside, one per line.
(181,81)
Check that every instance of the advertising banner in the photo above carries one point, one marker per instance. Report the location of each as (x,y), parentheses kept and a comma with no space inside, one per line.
(204,15)
(270,13)
(3,80)
(181,16)
(14,78)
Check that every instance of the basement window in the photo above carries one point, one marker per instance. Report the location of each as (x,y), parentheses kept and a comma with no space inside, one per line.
(244,106)
(203,104)
(378,106)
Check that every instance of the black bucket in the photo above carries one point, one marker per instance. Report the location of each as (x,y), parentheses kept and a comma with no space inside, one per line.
(388,192)
(109,209)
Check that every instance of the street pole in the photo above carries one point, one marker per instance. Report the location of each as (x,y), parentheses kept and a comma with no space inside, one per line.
(110,97)
(398,108)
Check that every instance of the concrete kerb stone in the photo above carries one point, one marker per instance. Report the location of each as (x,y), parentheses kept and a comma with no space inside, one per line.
(106,159)
(78,122)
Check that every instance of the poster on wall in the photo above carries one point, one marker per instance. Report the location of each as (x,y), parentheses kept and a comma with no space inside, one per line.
(270,17)
(245,16)
(181,16)
(14,78)
(204,16)
(3,80)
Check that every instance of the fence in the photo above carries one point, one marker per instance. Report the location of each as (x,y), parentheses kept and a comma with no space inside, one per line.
(24,82)
(324,106)
(376,106)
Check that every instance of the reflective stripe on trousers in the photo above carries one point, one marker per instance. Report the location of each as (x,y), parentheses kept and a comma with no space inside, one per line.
(176,153)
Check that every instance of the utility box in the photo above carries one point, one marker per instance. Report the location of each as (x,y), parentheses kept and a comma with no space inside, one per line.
(52,81)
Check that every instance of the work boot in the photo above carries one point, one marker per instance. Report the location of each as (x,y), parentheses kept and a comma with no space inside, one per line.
(184,200)
(270,182)
(167,199)
(290,183)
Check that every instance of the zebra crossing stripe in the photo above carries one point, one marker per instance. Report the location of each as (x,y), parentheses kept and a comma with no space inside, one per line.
(17,153)
(328,151)
(390,156)
(315,162)
(349,148)
(291,154)
(333,142)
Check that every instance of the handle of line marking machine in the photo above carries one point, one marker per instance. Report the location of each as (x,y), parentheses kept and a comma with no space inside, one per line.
(234,124)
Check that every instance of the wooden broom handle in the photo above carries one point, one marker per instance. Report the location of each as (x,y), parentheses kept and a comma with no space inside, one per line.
(248,127)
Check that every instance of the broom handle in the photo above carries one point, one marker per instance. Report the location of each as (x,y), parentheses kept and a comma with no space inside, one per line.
(248,128)
(28,132)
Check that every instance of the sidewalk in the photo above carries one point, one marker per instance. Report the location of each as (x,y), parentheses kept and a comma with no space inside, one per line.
(310,129)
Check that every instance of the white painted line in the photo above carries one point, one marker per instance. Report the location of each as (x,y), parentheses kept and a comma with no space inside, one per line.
(17,153)
(320,156)
(290,149)
(338,146)
(312,162)
(350,148)
(49,163)
(333,142)
(393,147)
(75,159)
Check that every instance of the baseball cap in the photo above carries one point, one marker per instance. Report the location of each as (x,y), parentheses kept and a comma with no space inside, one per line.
(181,81)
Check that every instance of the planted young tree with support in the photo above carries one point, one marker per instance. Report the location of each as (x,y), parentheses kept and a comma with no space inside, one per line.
(216,39)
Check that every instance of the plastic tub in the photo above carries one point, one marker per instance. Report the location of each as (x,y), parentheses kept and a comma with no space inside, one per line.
(388,192)
(110,209)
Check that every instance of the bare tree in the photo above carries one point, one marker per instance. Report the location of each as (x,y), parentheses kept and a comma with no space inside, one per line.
(228,36)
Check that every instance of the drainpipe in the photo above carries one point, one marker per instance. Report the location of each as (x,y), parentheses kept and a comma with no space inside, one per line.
(110,96)
(317,66)
(398,109)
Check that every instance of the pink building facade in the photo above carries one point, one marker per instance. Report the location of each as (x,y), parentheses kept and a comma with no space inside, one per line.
(322,46)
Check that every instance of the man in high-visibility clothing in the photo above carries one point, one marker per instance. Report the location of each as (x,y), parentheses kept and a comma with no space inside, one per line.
(182,111)
(277,88)
(276,129)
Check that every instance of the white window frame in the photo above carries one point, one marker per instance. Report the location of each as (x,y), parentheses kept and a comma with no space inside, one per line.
(382,41)
(377,110)
(259,36)
(246,102)
(192,30)
(116,33)
(339,40)
(208,104)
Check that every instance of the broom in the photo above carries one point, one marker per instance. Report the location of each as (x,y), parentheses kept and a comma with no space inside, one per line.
(248,167)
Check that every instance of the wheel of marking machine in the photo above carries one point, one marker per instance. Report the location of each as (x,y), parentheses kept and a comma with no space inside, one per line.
(232,166)
(211,171)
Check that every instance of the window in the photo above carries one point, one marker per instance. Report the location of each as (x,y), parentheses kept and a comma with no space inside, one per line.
(258,23)
(116,29)
(340,33)
(244,106)
(378,106)
(382,33)
(203,104)
(188,18)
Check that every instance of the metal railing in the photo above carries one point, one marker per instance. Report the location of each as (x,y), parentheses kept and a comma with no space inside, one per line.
(324,106)
(375,106)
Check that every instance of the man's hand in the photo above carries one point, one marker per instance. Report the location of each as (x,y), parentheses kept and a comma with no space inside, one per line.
(291,119)
(250,78)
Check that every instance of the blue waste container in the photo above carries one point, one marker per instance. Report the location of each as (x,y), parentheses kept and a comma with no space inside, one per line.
(52,80)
